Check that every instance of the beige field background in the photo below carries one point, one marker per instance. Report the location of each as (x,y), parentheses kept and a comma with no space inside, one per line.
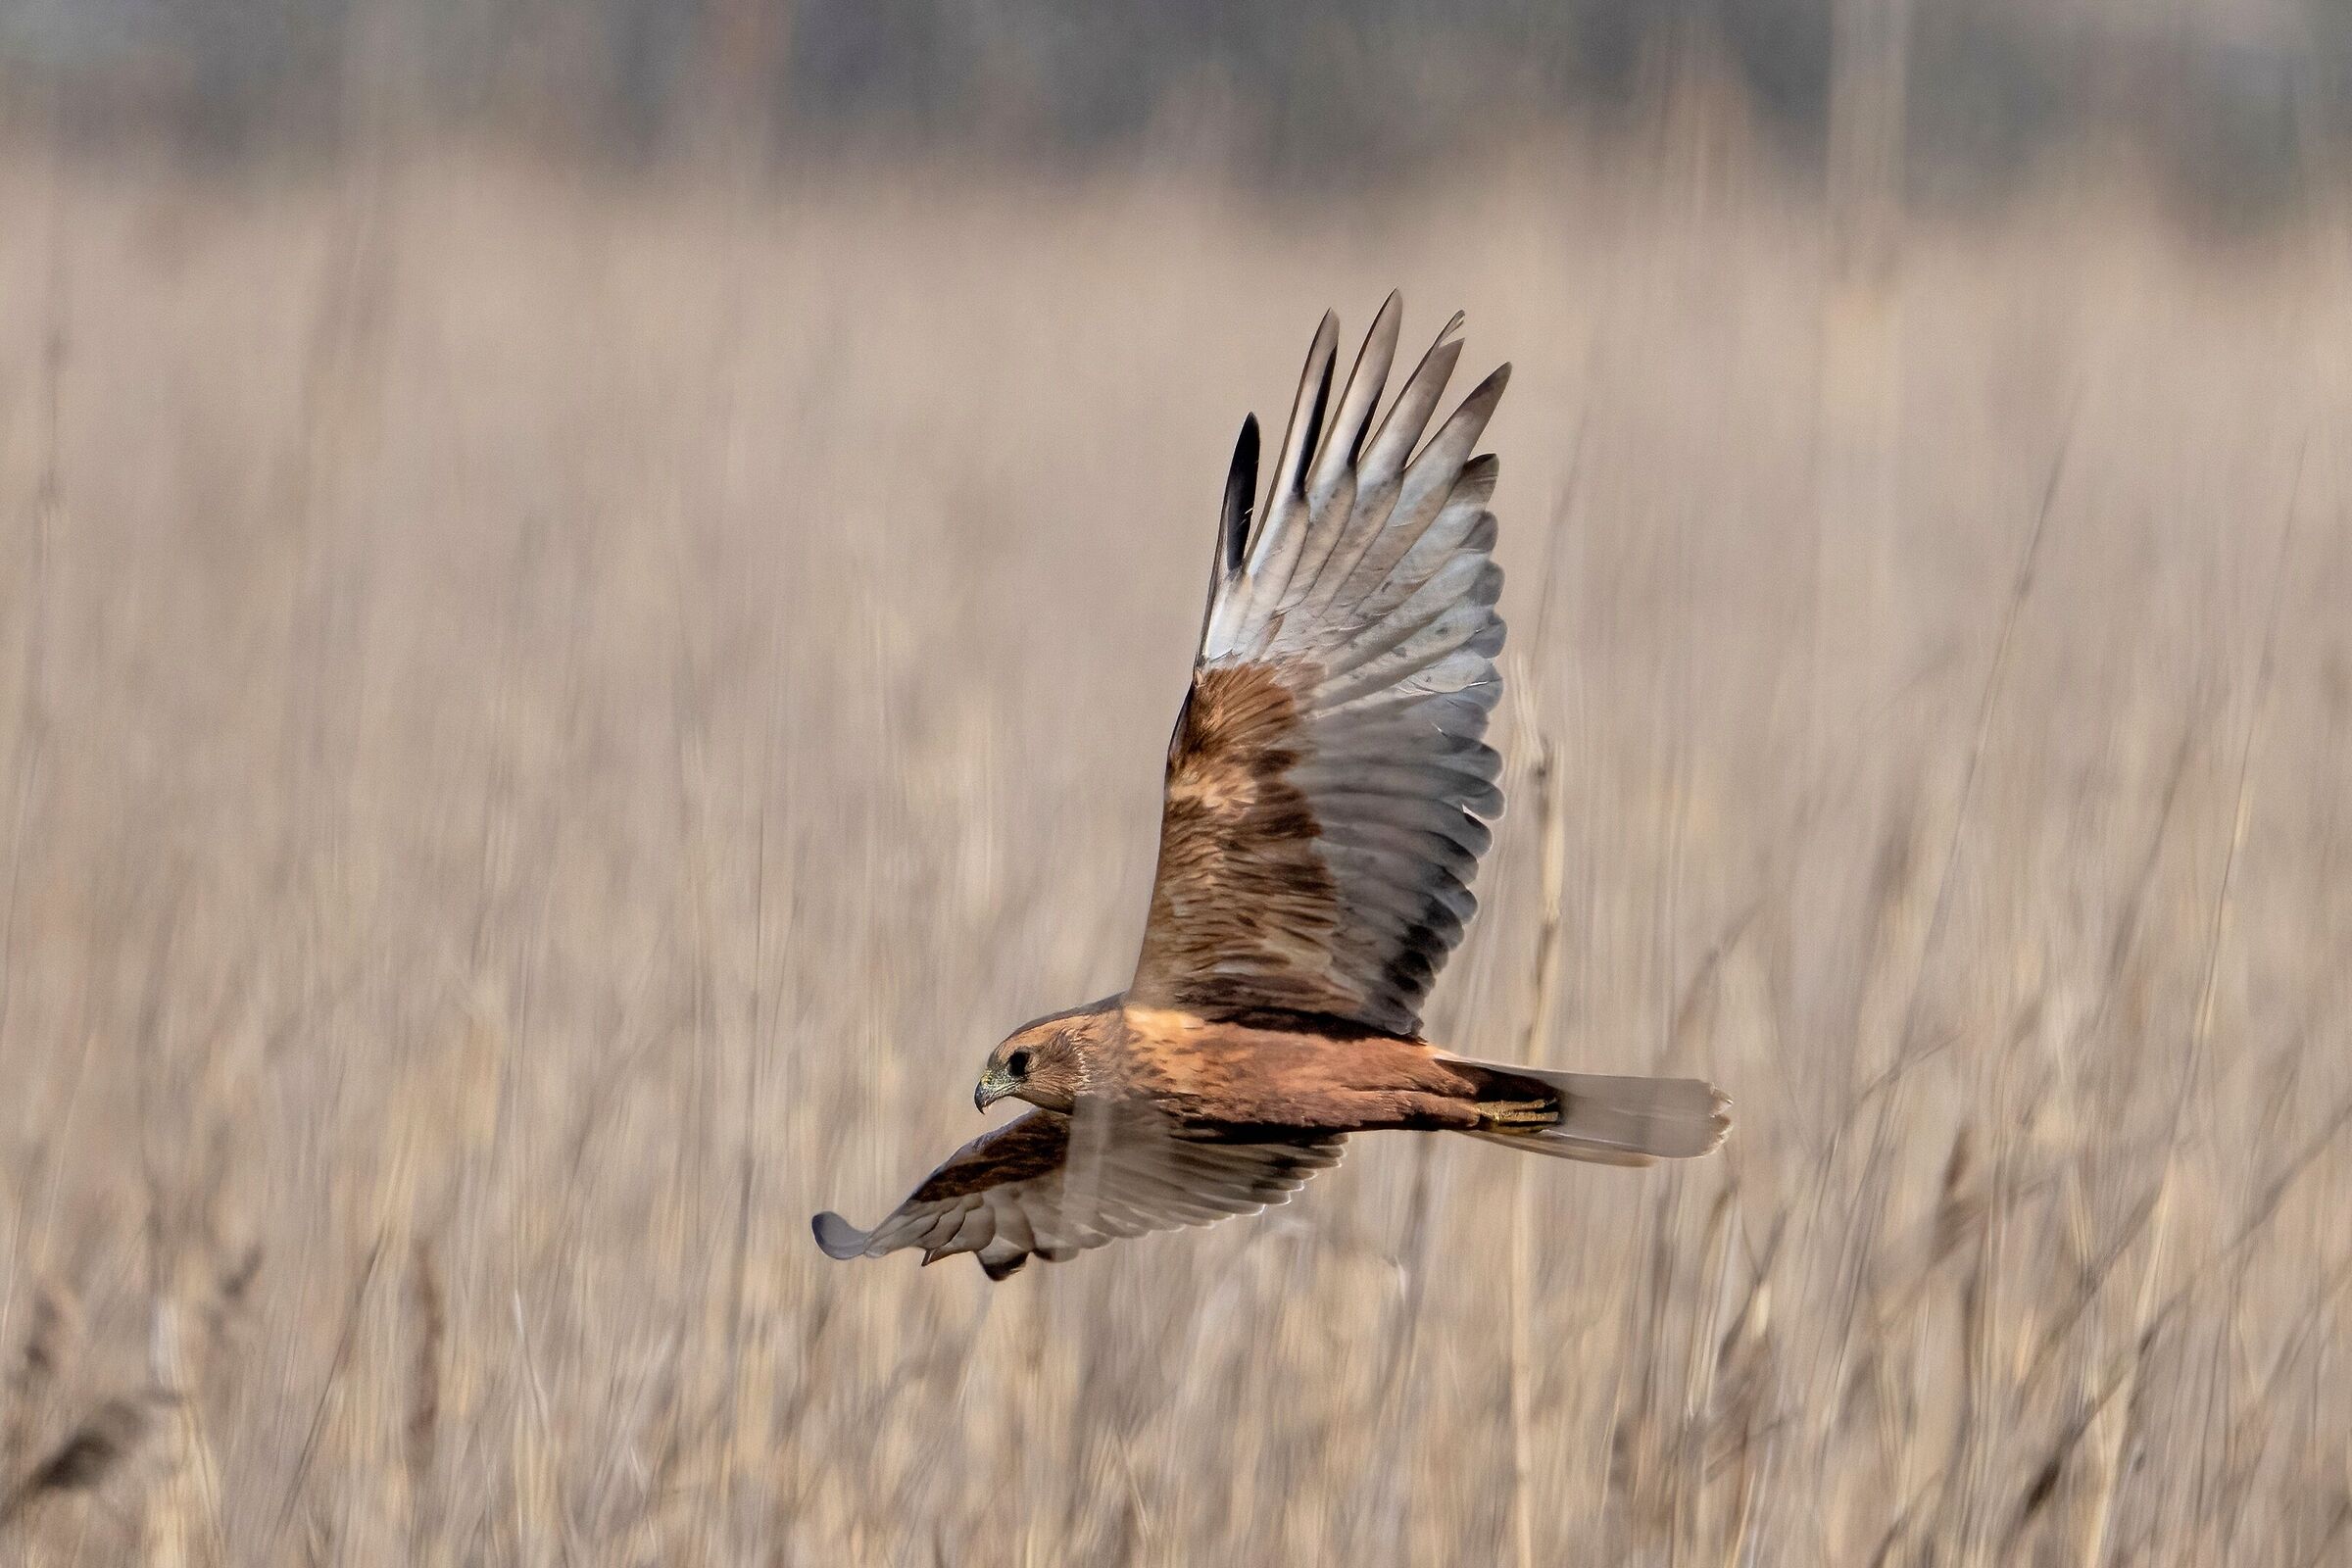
(548,721)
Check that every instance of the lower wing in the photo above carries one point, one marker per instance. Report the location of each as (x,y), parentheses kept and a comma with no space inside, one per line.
(1051,1186)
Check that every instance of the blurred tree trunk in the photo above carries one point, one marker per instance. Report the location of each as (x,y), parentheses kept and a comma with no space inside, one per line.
(1861,344)
(748,45)
(1856,657)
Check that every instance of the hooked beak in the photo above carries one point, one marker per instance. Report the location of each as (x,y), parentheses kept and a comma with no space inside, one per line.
(995,1084)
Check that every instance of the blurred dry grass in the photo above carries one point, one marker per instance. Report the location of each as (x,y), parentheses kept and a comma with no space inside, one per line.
(545,726)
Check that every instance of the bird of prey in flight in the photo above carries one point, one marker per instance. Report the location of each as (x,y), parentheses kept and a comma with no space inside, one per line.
(1322,820)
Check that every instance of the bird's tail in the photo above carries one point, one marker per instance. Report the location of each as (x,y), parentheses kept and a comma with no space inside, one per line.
(1609,1120)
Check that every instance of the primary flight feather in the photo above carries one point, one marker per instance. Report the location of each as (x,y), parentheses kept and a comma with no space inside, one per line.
(1328,792)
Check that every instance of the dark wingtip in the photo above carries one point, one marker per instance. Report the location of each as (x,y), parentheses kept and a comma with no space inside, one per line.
(1240,497)
(1322,406)
(837,1235)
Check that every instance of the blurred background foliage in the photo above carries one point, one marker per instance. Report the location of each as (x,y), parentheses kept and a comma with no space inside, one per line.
(2234,104)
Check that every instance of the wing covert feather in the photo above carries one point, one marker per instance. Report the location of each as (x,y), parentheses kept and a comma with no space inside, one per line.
(1326,781)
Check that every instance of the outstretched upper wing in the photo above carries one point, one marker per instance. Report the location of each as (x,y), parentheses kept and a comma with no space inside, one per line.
(1043,1185)
(1328,774)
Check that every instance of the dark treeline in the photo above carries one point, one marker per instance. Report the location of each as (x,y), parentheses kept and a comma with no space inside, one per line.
(2231,100)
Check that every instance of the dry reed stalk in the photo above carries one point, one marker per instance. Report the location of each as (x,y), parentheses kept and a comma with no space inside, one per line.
(1862,1235)
(29,738)
(641,531)
(328,1393)
(2201,1028)
(428,1318)
(1522,1372)
(2096,1539)
(102,1443)
(1696,1418)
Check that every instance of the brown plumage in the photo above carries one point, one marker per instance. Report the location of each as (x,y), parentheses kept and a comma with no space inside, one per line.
(1327,788)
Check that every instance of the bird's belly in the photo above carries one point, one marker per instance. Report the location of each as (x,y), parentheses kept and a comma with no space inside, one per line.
(1237,1080)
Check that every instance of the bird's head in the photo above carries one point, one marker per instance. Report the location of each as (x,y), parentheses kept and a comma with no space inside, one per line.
(1043,1063)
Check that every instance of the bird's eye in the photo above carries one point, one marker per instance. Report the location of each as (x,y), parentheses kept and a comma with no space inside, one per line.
(1017,1063)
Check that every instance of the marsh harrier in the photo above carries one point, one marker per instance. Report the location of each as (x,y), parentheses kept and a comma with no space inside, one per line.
(1326,786)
